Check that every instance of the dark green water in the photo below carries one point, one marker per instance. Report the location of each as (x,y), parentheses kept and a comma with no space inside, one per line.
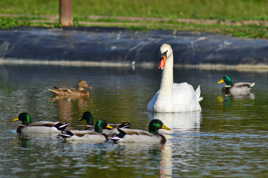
(228,139)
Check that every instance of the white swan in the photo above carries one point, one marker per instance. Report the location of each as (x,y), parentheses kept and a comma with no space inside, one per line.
(173,97)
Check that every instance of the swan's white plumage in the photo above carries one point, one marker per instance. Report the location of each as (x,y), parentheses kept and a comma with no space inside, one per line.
(174,97)
(183,98)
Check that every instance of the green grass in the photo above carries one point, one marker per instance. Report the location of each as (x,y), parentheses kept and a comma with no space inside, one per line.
(207,9)
(8,23)
(246,31)
(234,10)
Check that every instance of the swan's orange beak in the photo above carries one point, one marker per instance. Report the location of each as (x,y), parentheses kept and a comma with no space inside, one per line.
(162,62)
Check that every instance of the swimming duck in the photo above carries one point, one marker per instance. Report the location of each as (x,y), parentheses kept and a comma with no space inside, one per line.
(88,136)
(235,89)
(142,136)
(32,129)
(73,92)
(88,117)
(173,97)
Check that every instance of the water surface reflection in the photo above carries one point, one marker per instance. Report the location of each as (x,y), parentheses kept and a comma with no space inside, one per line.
(180,123)
(228,138)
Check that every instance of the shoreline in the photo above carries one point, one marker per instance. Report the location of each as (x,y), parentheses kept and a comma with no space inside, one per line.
(116,47)
(147,65)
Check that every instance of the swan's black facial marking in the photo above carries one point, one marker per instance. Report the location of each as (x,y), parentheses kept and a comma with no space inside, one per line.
(164,53)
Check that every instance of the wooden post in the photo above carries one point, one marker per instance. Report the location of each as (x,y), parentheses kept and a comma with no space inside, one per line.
(65,10)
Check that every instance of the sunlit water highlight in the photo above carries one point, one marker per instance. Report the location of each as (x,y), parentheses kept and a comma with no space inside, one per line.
(228,138)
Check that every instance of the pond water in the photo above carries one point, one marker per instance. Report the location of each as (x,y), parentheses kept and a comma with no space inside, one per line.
(228,138)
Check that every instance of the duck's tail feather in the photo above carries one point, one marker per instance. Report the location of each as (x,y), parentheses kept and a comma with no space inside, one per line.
(66,134)
(61,126)
(53,91)
(198,93)
(252,85)
(119,136)
(124,125)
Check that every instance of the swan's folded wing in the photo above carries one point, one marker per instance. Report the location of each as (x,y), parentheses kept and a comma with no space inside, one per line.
(198,93)
(185,98)
(150,106)
(183,93)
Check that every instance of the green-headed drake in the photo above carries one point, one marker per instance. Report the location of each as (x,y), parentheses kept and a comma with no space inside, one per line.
(142,136)
(235,89)
(80,91)
(88,136)
(88,117)
(31,129)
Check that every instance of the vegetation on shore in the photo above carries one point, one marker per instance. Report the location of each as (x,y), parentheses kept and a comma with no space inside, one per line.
(44,14)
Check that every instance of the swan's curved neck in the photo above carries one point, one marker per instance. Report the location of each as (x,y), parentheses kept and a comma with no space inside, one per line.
(167,77)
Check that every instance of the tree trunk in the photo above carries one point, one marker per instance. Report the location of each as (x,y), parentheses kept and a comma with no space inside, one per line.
(65,10)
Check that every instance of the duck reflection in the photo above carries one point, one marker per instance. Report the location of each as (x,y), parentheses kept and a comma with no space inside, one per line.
(178,122)
(225,100)
(228,100)
(68,107)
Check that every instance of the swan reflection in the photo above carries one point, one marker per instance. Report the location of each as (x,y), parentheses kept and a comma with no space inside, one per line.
(182,121)
(166,159)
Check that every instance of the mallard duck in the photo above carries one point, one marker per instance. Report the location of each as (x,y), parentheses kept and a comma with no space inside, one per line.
(87,136)
(31,129)
(73,92)
(142,136)
(235,89)
(173,97)
(88,117)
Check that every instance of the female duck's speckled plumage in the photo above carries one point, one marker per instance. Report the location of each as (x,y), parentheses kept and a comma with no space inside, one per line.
(142,136)
(173,97)
(235,89)
(73,92)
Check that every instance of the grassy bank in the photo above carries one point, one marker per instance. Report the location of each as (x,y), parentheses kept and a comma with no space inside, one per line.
(205,9)
(171,11)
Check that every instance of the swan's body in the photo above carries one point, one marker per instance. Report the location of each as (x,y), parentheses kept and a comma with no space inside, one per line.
(173,97)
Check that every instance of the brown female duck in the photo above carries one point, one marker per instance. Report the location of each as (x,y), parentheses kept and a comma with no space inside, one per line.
(81,90)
